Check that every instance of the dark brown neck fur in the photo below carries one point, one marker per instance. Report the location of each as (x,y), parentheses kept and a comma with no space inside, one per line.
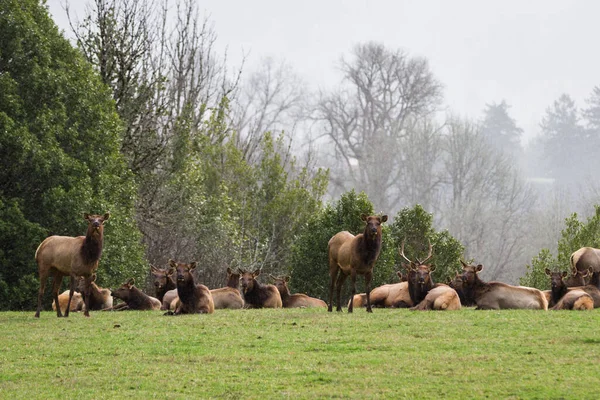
(258,295)
(91,250)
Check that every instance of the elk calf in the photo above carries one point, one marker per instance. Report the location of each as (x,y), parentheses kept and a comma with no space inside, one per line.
(194,298)
(256,294)
(134,298)
(99,298)
(63,300)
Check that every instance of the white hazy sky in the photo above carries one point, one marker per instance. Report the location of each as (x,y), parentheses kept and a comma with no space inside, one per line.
(527,52)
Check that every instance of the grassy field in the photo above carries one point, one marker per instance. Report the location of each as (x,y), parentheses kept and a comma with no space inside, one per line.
(301,353)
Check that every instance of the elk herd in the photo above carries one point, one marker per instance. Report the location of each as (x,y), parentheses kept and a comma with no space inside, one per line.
(177,291)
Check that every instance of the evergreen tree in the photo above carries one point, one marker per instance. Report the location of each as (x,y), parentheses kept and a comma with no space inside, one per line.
(59,154)
(501,130)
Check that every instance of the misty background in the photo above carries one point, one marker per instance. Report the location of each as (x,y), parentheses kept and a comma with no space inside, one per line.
(485,113)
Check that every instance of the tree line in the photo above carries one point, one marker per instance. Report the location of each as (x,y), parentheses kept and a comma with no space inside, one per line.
(198,162)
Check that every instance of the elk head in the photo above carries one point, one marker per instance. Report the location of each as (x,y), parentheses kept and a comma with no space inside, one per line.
(123,291)
(419,273)
(373,227)
(182,271)
(248,279)
(160,277)
(556,278)
(469,275)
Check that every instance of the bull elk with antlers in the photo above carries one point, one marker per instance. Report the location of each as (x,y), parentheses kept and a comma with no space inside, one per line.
(354,255)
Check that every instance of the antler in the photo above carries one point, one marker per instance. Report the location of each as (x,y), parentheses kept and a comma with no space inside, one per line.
(402,253)
(429,255)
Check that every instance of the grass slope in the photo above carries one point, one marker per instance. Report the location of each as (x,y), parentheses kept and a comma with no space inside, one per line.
(301,353)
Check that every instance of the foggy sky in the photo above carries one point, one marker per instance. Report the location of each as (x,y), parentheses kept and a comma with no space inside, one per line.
(525,52)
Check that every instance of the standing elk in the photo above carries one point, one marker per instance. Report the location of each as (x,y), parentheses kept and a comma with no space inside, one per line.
(354,255)
(289,300)
(60,256)
(256,294)
(498,295)
(585,258)
(194,298)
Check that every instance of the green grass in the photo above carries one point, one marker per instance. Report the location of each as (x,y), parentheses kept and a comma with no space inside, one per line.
(301,354)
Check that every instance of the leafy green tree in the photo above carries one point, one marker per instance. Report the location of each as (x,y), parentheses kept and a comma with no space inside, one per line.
(309,265)
(59,153)
(575,235)
(414,227)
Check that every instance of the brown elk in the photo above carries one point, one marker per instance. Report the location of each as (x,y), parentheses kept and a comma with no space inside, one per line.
(456,283)
(575,300)
(134,298)
(256,294)
(498,295)
(99,298)
(559,289)
(60,256)
(419,276)
(585,258)
(392,295)
(354,255)
(194,297)
(162,281)
(289,300)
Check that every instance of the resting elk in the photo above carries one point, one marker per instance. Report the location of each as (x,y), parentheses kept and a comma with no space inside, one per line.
(289,300)
(60,256)
(63,299)
(162,281)
(559,288)
(392,295)
(498,295)
(354,255)
(584,258)
(194,298)
(424,293)
(134,298)
(228,297)
(99,298)
(256,294)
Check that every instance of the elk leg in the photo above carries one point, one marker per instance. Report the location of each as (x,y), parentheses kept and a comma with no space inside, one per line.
(56,282)
(353,291)
(86,294)
(340,282)
(71,290)
(368,278)
(332,279)
(43,279)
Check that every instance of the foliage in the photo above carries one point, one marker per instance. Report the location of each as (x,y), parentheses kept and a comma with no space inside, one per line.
(414,226)
(309,266)
(301,353)
(59,151)
(575,235)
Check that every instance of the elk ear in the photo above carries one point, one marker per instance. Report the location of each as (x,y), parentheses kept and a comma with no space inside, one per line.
(86,215)
(432,268)
(170,271)
(229,271)
(384,218)
(172,263)
(586,273)
(547,271)
(130,282)
(106,216)
(286,278)
(564,274)
(479,268)
(256,273)
(193,265)
(399,273)
(364,217)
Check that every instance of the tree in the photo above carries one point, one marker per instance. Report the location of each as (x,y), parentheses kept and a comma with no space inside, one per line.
(309,266)
(59,153)
(501,130)
(414,227)
(384,93)
(487,204)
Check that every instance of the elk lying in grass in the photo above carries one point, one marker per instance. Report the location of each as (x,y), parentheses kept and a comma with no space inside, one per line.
(575,299)
(424,293)
(392,295)
(456,283)
(256,294)
(63,300)
(60,256)
(354,255)
(559,289)
(194,298)
(584,259)
(498,295)
(297,300)
(134,298)
(229,297)
(100,298)
(162,282)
